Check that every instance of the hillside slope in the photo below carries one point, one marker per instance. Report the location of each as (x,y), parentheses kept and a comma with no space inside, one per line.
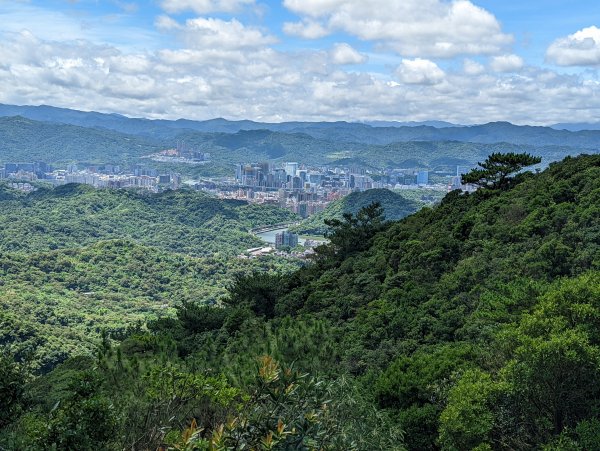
(187,222)
(470,325)
(75,261)
(469,285)
(28,140)
(56,304)
(394,206)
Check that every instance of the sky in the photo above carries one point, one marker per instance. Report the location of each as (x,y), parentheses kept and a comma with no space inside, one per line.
(528,62)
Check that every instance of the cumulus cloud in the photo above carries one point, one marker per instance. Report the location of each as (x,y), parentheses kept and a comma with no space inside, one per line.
(471,67)
(420,72)
(506,63)
(166,23)
(345,54)
(434,28)
(579,49)
(204,6)
(306,29)
(210,33)
(229,69)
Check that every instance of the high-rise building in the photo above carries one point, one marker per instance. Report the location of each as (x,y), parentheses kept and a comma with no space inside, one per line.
(291,169)
(455,183)
(286,238)
(422,177)
(303,210)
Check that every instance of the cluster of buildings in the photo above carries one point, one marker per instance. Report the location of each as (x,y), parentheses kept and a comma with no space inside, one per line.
(287,244)
(183,153)
(296,177)
(302,189)
(25,171)
(105,176)
(307,190)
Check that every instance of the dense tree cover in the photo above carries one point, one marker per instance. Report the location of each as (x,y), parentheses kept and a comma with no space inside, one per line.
(395,207)
(76,262)
(57,304)
(187,222)
(470,325)
(28,140)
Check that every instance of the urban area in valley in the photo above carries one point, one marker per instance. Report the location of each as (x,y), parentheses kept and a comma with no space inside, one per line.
(300,188)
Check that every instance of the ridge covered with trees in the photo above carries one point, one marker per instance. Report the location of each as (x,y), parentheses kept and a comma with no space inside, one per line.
(76,262)
(180,221)
(318,144)
(395,207)
(469,325)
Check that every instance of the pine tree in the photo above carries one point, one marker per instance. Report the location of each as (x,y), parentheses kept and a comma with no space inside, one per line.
(496,170)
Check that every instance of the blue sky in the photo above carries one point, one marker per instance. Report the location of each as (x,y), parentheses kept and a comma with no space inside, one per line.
(532,62)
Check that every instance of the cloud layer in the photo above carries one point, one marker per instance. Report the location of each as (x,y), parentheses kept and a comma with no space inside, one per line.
(392,69)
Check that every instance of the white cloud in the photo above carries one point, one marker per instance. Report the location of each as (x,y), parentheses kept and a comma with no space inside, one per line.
(345,54)
(166,23)
(506,63)
(436,28)
(226,68)
(471,67)
(204,6)
(314,8)
(202,33)
(306,29)
(579,49)
(420,72)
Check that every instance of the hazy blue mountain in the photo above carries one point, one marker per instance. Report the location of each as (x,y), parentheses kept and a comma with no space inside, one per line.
(577,127)
(158,128)
(436,124)
(493,132)
(381,132)
(28,140)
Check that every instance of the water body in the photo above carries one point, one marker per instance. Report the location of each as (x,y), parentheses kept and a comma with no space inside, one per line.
(269,236)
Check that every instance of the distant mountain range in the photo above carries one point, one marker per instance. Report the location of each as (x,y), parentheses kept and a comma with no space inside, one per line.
(373,132)
(436,124)
(577,127)
(59,135)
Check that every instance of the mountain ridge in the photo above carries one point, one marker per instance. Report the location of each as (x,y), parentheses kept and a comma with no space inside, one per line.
(385,133)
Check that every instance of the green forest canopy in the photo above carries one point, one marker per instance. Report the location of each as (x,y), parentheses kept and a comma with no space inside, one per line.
(469,325)
(395,206)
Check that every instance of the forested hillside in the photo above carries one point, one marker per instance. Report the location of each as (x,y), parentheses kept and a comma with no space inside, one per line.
(324,144)
(469,325)
(187,222)
(28,140)
(75,261)
(395,207)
